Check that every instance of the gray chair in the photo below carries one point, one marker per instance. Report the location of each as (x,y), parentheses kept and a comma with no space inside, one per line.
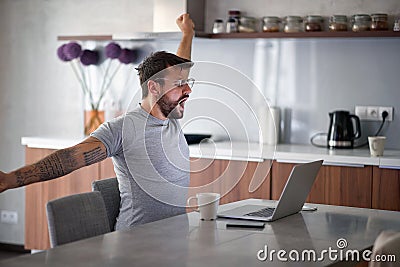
(387,243)
(76,217)
(112,199)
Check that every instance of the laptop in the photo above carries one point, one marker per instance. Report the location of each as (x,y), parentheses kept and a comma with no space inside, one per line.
(291,201)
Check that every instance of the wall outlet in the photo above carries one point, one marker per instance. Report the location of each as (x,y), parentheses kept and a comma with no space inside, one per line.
(10,217)
(373,113)
(389,110)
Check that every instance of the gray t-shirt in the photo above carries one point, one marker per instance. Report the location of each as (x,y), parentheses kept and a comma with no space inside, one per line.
(151,161)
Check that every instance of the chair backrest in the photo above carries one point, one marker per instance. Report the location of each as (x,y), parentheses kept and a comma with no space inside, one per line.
(76,217)
(112,199)
(387,243)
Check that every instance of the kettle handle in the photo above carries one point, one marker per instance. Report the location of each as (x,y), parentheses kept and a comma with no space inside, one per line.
(357,134)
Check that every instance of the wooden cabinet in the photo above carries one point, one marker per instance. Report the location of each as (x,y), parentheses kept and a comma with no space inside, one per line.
(37,195)
(334,185)
(386,189)
(234,180)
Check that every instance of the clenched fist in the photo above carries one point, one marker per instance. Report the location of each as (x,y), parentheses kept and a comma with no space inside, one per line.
(185,24)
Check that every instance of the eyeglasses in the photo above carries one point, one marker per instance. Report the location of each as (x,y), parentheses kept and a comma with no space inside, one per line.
(179,83)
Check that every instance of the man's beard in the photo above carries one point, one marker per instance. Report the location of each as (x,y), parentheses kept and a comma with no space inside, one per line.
(170,109)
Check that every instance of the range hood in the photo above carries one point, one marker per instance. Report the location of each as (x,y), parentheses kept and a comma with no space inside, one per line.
(143,36)
(164,15)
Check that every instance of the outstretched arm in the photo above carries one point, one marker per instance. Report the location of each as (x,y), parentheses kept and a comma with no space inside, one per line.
(186,25)
(55,165)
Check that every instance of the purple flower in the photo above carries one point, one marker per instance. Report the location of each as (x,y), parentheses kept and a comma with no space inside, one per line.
(113,50)
(72,50)
(89,57)
(60,53)
(127,56)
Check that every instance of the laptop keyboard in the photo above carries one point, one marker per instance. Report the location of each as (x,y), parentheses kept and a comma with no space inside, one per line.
(266,212)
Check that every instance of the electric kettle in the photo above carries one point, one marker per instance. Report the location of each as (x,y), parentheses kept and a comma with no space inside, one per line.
(341,131)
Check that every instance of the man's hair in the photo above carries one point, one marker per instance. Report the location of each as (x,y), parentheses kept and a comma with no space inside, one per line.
(156,63)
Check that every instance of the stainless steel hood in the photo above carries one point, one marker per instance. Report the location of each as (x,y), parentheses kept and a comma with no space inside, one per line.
(138,36)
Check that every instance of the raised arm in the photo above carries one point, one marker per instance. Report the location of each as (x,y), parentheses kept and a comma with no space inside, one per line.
(186,25)
(55,165)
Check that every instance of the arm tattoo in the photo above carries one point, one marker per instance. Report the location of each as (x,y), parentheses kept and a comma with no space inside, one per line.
(58,164)
(55,165)
(20,180)
(94,155)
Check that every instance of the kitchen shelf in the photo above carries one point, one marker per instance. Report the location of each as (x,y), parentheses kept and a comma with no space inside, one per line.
(244,35)
(324,34)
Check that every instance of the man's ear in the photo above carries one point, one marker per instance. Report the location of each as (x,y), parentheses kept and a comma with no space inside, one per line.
(153,88)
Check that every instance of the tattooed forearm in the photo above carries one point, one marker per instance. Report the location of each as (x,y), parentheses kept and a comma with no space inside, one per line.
(94,155)
(57,164)
(20,179)
(60,163)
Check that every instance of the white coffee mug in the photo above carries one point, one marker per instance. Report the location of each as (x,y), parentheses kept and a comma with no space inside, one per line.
(207,205)
(376,145)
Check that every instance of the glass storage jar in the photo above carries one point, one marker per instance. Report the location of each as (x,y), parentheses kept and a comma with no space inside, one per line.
(293,24)
(233,15)
(396,25)
(231,26)
(313,23)
(218,26)
(361,22)
(247,24)
(271,24)
(379,22)
(338,23)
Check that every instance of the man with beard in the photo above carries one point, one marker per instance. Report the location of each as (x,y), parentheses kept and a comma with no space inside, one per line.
(148,149)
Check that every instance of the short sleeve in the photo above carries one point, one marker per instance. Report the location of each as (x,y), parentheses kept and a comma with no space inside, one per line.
(110,134)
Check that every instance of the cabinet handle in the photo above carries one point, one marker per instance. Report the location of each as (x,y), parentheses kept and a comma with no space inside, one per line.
(294,161)
(389,167)
(341,164)
(229,158)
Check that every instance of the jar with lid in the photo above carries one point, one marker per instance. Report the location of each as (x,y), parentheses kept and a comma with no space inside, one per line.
(379,22)
(271,24)
(247,24)
(218,26)
(313,23)
(361,22)
(338,23)
(293,24)
(396,25)
(231,25)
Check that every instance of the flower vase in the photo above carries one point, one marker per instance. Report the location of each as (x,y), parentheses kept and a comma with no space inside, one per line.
(93,119)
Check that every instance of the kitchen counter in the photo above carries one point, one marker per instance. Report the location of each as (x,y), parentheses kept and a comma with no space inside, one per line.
(257,152)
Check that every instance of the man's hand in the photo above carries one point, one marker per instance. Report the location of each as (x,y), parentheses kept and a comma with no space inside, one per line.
(185,24)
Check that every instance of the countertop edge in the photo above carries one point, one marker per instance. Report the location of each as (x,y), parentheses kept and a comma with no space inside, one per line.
(290,153)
